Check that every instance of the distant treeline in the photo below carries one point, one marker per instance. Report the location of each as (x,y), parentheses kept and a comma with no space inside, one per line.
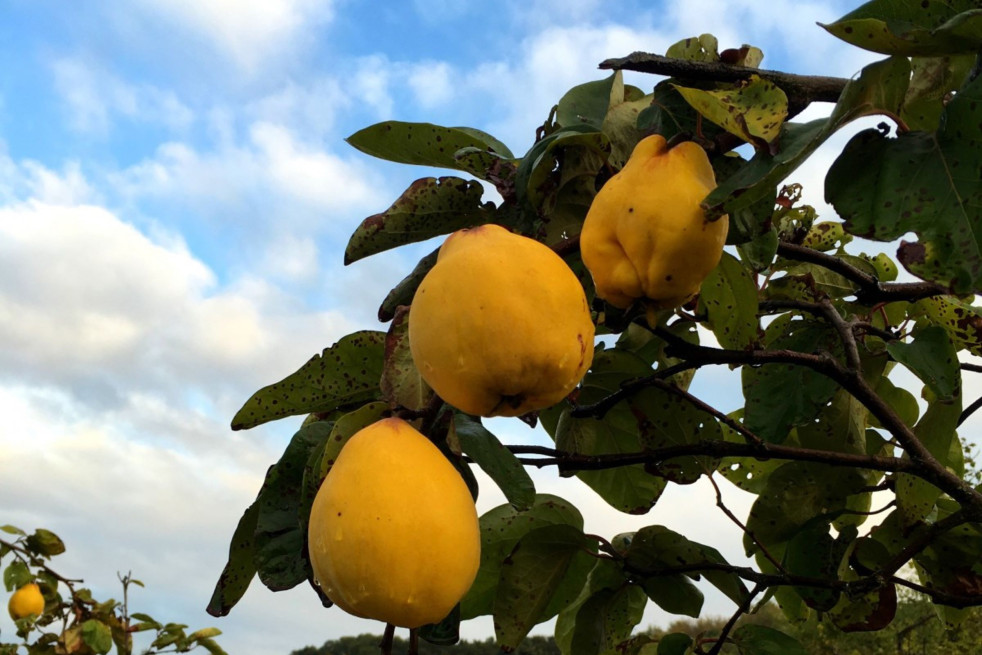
(369,645)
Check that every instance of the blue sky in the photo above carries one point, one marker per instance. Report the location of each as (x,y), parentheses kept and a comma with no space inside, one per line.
(175,197)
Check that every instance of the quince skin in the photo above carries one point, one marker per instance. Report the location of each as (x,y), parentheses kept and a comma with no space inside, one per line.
(500,326)
(645,235)
(25,602)
(393,533)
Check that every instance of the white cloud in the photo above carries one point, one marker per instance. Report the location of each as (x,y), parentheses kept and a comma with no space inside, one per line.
(248,33)
(431,83)
(95,98)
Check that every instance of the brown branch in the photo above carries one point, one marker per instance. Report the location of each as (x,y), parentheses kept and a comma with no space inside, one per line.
(730,515)
(801,90)
(741,610)
(871,291)
(974,368)
(923,540)
(968,411)
(846,334)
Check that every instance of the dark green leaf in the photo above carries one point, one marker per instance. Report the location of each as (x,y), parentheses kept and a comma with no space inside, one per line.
(501,529)
(655,548)
(753,639)
(423,144)
(586,104)
(605,620)
(44,542)
(922,182)
(676,643)
(729,297)
(497,461)
(932,79)
(781,396)
(403,292)
(280,537)
(430,207)
(629,489)
(879,89)
(444,633)
(814,553)
(346,374)
(538,176)
(239,570)
(544,573)
(932,358)
(675,593)
(795,494)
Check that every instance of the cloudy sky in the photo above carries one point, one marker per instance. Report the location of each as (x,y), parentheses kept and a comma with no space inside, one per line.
(175,196)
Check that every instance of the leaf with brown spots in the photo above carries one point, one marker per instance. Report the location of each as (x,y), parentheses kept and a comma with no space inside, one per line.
(345,375)
(423,144)
(928,183)
(430,207)
(926,29)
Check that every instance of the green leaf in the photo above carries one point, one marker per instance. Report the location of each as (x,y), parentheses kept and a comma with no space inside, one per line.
(97,636)
(204,633)
(344,375)
(607,574)
(921,182)
(936,430)
(927,28)
(423,144)
(430,207)
(280,537)
(403,292)
(795,494)
(502,528)
(587,104)
(497,461)
(9,529)
(543,574)
(669,114)
(932,79)
(16,575)
(401,383)
(674,593)
(606,619)
(814,553)
(932,358)
(676,643)
(704,47)
(753,110)
(729,297)
(866,612)
(45,543)
(239,570)
(753,639)
(655,547)
(211,646)
(539,174)
(629,489)
(879,89)
(444,633)
(782,396)
(961,320)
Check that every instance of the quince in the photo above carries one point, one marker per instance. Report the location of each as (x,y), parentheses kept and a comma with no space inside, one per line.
(393,533)
(26,601)
(645,236)
(500,326)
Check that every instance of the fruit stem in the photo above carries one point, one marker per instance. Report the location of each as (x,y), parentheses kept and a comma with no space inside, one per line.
(413,642)
(386,644)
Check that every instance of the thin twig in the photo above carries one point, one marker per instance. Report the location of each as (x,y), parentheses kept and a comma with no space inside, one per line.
(730,515)
(743,609)
(387,637)
(968,411)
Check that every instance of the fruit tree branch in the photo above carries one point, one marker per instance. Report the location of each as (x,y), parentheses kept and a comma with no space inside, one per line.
(871,291)
(801,90)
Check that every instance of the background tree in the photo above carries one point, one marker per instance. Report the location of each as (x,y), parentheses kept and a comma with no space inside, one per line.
(75,622)
(817,330)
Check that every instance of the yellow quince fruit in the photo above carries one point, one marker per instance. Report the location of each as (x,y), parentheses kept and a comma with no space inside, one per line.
(645,236)
(26,601)
(393,533)
(500,326)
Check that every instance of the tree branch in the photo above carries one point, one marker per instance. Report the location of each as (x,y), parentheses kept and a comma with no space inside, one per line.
(871,291)
(801,90)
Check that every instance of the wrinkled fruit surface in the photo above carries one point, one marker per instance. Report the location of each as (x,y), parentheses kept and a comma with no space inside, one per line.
(645,235)
(26,601)
(500,326)
(393,532)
